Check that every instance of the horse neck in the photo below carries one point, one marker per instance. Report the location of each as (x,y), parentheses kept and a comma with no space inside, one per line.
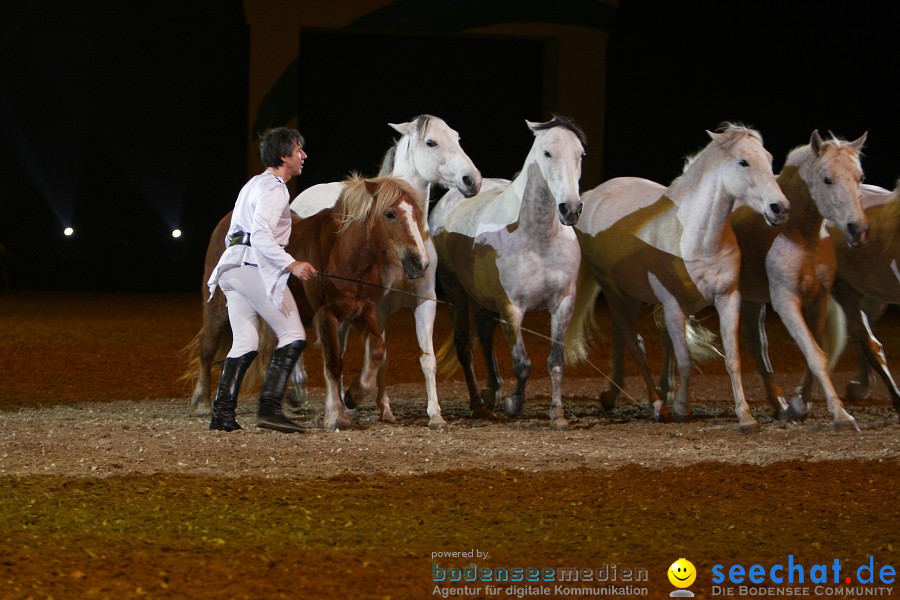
(805,221)
(537,213)
(704,211)
(405,168)
(352,252)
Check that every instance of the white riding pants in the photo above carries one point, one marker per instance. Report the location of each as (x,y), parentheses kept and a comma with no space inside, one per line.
(247,303)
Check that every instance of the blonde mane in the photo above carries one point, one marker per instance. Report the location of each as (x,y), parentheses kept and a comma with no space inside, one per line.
(831,149)
(355,203)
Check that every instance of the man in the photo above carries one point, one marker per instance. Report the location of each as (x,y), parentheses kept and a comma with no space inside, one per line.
(253,274)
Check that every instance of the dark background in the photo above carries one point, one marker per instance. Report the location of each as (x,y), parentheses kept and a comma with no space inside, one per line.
(126,120)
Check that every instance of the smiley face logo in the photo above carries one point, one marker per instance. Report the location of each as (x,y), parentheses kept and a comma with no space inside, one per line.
(682,573)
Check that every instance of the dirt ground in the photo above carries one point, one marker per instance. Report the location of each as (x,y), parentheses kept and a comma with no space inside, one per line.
(110,489)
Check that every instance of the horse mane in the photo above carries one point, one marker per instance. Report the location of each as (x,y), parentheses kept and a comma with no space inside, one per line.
(355,204)
(561,121)
(735,131)
(387,163)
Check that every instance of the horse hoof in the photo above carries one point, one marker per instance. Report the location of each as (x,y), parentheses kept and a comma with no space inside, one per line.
(661,413)
(857,391)
(559,424)
(438,424)
(388,418)
(490,398)
(609,400)
(682,417)
(350,400)
(846,425)
(750,428)
(797,410)
(341,423)
(512,408)
(200,408)
(483,412)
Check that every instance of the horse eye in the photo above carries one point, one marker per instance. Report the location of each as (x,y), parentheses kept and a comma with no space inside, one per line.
(547,154)
(390,215)
(431,143)
(828,181)
(743,162)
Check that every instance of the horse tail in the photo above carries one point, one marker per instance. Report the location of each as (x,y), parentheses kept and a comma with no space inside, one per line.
(583,326)
(191,354)
(834,337)
(701,342)
(445,358)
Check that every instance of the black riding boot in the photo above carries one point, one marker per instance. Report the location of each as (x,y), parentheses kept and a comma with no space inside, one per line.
(270,415)
(227,395)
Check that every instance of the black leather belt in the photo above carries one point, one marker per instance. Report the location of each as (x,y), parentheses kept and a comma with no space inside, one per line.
(239,238)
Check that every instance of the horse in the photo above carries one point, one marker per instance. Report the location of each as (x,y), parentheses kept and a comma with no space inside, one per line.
(793,267)
(868,278)
(645,244)
(375,225)
(511,250)
(426,153)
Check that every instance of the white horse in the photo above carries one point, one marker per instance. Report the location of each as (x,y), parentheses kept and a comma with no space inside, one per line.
(868,278)
(793,267)
(646,244)
(427,153)
(511,250)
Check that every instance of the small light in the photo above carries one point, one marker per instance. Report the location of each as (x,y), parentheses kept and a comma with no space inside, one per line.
(68,231)
(176,233)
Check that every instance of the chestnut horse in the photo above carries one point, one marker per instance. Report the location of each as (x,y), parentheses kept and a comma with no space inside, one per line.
(376,224)
(868,279)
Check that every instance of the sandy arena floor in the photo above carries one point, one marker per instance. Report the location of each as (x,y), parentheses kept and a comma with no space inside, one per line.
(110,489)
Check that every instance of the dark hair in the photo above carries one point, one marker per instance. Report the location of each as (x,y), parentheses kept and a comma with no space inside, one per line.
(276,143)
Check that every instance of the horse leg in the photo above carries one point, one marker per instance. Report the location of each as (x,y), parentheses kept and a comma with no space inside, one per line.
(624,312)
(666,385)
(676,321)
(365,386)
(787,304)
(424,314)
(486,323)
(459,315)
(753,316)
(512,322)
(729,306)
(874,353)
(298,399)
(609,398)
(215,326)
(327,333)
(556,363)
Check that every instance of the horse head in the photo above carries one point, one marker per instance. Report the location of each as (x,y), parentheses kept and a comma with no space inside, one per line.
(557,150)
(429,151)
(746,172)
(395,224)
(833,174)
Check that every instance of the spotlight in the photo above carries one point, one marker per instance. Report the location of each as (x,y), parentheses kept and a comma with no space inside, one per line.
(176,233)
(68,231)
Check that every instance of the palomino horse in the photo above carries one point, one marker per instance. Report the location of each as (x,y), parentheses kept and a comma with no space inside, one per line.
(645,244)
(793,267)
(868,278)
(427,153)
(375,225)
(511,250)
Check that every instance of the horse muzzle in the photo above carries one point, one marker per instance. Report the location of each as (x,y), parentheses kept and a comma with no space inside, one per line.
(856,235)
(569,214)
(776,213)
(469,185)
(413,266)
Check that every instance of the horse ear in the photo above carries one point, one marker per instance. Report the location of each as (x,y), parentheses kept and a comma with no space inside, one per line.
(815,142)
(533,125)
(716,137)
(403,128)
(858,144)
(371,187)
